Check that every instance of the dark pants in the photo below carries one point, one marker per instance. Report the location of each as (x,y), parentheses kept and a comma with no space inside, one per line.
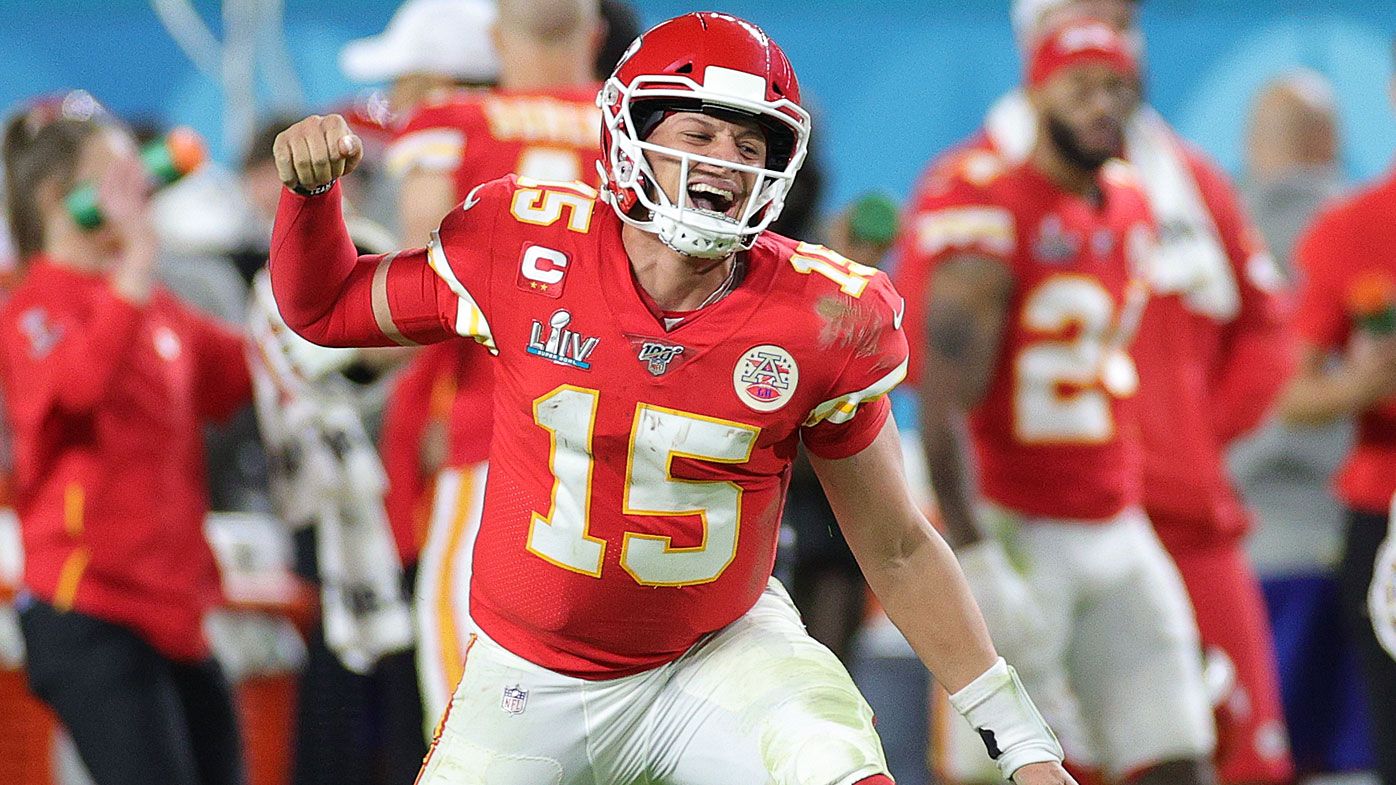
(1366,530)
(136,717)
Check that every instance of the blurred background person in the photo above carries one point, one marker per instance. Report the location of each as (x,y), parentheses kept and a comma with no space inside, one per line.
(1292,164)
(1284,471)
(1212,351)
(358,724)
(1026,279)
(541,122)
(1346,318)
(428,47)
(107,381)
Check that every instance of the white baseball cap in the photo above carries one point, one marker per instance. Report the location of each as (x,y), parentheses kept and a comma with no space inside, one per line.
(447,37)
(1026,14)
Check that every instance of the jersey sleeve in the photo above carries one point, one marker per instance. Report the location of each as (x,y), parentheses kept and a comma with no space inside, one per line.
(1320,318)
(855,407)
(461,253)
(951,214)
(955,214)
(432,140)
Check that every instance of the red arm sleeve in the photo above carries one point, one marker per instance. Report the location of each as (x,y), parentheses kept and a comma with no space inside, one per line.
(68,363)
(224,382)
(1320,318)
(332,296)
(1257,350)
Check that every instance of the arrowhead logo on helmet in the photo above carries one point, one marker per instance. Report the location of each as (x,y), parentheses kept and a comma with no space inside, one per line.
(715,64)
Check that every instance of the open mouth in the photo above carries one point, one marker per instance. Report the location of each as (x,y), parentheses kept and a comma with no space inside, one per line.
(710,198)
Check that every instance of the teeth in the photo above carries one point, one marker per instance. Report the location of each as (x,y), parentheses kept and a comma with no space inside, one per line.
(704,188)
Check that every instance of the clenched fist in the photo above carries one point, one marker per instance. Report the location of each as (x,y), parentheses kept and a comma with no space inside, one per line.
(316,151)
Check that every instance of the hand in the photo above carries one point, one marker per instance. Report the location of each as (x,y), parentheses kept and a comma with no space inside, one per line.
(123,197)
(316,151)
(1050,773)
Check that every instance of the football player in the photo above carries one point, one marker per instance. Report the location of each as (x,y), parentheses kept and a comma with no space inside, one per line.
(1213,352)
(542,123)
(658,356)
(1027,283)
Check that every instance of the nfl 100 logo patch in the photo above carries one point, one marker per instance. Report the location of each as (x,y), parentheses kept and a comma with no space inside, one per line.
(656,356)
(515,700)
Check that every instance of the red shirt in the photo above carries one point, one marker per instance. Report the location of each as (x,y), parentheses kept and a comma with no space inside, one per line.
(1351,242)
(637,475)
(480,136)
(1209,377)
(1206,376)
(105,402)
(1055,435)
(477,137)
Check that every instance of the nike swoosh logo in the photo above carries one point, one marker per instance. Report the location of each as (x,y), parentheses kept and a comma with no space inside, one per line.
(901,312)
(472,199)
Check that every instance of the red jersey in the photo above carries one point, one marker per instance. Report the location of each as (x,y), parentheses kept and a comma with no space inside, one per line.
(1055,435)
(638,474)
(1350,246)
(1213,352)
(105,402)
(479,136)
(482,136)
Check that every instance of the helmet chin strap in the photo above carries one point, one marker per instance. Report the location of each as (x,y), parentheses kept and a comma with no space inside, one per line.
(693,241)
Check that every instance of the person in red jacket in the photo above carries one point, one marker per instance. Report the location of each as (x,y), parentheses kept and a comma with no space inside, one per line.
(107,381)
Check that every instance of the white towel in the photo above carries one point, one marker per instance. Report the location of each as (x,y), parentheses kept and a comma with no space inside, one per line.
(1190,259)
(1381,596)
(326,473)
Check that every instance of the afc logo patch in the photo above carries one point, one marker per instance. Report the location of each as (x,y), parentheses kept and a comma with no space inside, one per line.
(765,377)
(542,270)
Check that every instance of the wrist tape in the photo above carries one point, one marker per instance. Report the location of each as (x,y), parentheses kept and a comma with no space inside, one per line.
(1000,711)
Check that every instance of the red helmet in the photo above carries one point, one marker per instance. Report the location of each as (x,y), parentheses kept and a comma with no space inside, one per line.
(701,62)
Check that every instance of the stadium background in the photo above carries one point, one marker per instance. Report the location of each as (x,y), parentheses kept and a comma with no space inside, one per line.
(892,81)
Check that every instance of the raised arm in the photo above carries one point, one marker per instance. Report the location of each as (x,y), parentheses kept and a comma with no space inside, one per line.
(326,291)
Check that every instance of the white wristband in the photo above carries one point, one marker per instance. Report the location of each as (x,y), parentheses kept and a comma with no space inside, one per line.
(1000,711)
